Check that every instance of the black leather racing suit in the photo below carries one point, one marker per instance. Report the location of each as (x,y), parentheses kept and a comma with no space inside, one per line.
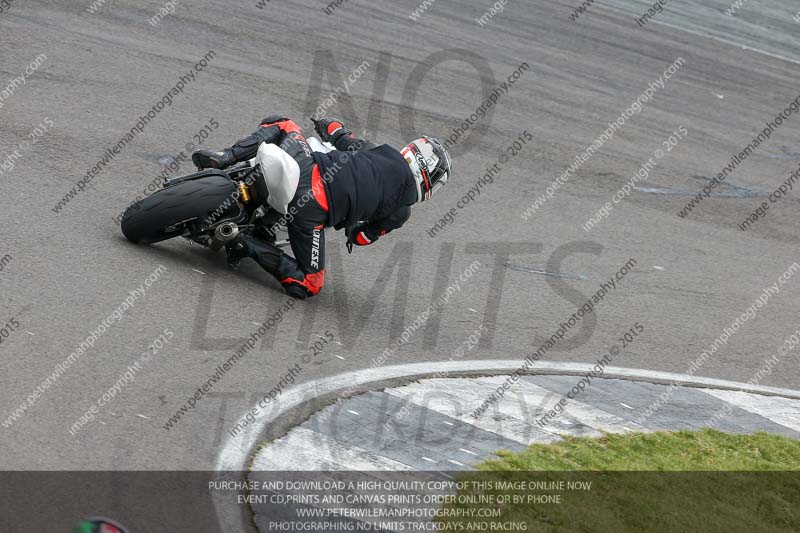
(358,184)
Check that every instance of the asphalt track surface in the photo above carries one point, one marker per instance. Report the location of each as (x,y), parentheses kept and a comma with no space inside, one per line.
(102,71)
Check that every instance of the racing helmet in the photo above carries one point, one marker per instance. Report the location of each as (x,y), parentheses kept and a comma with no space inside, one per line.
(430,165)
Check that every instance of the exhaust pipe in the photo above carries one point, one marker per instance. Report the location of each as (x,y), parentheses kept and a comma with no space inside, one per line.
(226,232)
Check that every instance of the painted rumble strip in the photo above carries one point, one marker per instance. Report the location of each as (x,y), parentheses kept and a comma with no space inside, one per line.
(304,449)
(782,411)
(369,433)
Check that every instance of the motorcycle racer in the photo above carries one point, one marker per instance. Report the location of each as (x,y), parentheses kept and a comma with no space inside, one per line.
(367,189)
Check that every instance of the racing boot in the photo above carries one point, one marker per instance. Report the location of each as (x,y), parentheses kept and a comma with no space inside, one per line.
(271,259)
(243,150)
(243,246)
(204,159)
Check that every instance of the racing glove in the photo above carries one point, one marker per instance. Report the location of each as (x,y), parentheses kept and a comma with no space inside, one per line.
(362,235)
(330,129)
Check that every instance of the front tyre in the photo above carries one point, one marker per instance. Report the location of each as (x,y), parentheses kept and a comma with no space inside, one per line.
(164,214)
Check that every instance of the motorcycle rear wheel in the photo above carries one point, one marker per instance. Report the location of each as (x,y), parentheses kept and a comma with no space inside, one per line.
(166,213)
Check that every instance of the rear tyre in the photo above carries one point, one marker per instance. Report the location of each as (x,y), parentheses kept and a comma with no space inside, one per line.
(163,215)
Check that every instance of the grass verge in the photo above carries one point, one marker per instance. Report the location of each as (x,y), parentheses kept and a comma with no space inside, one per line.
(683,481)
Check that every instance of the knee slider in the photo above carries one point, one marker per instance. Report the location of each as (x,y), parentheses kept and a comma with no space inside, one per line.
(269,134)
